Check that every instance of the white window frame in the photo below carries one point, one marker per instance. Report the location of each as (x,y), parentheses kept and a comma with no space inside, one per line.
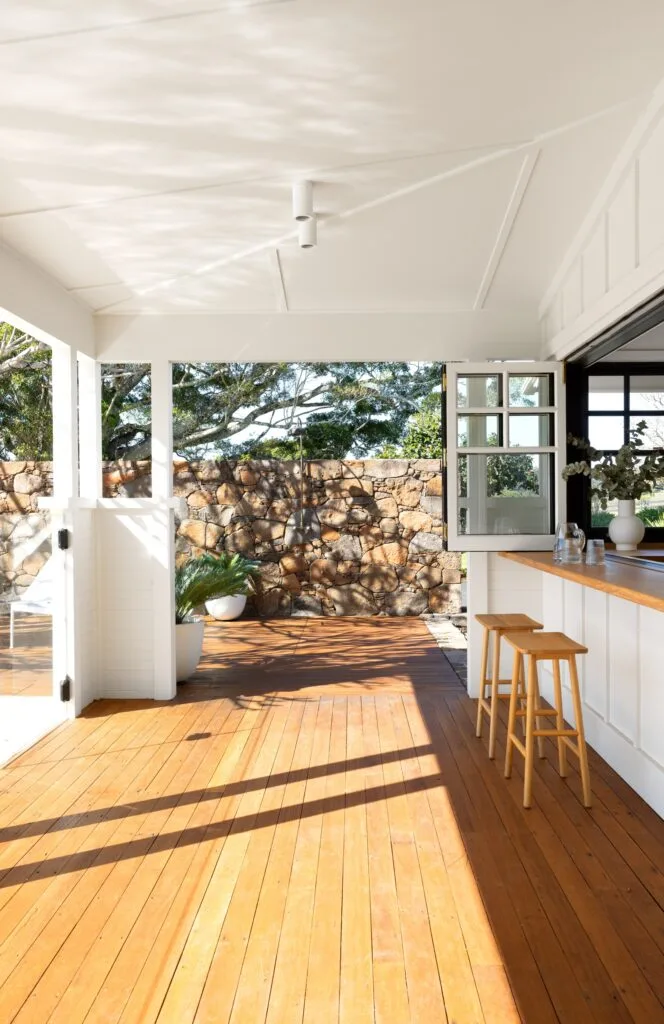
(457,541)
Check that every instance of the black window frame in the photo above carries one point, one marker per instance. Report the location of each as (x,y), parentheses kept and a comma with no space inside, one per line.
(578,416)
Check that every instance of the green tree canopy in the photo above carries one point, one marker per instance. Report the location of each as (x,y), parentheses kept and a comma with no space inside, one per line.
(222,409)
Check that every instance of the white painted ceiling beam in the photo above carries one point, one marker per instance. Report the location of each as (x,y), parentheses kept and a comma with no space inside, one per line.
(482,334)
(36,303)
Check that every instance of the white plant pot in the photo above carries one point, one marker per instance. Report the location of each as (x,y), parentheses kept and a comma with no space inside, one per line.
(188,648)
(225,608)
(626,530)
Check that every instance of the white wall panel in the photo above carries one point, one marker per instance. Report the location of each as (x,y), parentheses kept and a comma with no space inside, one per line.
(596,631)
(126,605)
(651,680)
(573,294)
(651,194)
(621,230)
(620,245)
(623,644)
(595,267)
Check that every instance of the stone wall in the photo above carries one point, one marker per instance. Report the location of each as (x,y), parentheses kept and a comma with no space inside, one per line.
(374,530)
(373,541)
(25,536)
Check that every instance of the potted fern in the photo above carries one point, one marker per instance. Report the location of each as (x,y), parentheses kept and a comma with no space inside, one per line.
(197,581)
(624,477)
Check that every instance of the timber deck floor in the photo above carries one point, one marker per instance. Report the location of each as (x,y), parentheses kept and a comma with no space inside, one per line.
(312,833)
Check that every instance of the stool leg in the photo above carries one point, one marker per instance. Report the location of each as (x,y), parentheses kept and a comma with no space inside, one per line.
(530,721)
(517,674)
(522,695)
(483,681)
(493,714)
(538,724)
(581,738)
(560,721)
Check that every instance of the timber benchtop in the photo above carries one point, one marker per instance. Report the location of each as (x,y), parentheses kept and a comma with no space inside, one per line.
(632,583)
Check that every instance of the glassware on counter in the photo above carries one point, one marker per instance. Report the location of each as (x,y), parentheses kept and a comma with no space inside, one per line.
(595,551)
(568,544)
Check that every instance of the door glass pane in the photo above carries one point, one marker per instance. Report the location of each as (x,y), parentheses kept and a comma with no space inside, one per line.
(478,391)
(506,494)
(646,393)
(606,394)
(654,435)
(606,433)
(530,431)
(478,431)
(529,392)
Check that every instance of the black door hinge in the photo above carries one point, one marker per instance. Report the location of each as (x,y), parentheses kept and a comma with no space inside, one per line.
(65,689)
(63,539)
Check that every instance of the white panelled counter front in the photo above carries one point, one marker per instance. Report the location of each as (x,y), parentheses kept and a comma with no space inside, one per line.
(617,611)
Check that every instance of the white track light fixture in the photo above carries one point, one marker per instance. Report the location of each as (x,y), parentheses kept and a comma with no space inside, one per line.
(303,200)
(308,233)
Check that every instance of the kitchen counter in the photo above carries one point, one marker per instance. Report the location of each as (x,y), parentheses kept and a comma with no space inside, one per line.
(630,582)
(615,611)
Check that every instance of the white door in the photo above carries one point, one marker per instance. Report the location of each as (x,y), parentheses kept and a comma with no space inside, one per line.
(505,434)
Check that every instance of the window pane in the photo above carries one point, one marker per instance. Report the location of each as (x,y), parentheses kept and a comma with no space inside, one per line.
(654,435)
(530,431)
(646,393)
(505,494)
(606,393)
(478,391)
(650,508)
(478,431)
(529,392)
(607,433)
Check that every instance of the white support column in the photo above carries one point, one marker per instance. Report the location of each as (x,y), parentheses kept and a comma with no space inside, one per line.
(89,412)
(65,488)
(163,531)
(65,422)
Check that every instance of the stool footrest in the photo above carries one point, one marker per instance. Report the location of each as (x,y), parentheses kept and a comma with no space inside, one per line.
(537,713)
(563,733)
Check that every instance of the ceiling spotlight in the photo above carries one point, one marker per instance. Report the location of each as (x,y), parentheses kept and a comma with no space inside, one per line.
(308,233)
(303,200)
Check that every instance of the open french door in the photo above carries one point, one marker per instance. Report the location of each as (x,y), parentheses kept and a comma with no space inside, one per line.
(505,451)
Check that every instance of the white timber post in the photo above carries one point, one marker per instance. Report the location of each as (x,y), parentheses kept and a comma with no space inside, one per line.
(163,530)
(478,604)
(65,489)
(89,412)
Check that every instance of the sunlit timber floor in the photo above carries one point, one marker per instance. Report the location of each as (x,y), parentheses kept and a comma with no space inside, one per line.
(312,832)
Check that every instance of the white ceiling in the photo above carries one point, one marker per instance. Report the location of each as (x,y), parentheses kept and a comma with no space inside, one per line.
(148,146)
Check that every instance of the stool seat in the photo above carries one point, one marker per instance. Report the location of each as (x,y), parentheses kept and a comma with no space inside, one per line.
(496,626)
(553,647)
(503,623)
(544,645)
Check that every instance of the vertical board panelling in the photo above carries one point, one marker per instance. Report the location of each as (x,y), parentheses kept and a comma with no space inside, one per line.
(478,602)
(126,606)
(651,195)
(623,635)
(622,252)
(594,266)
(622,230)
(596,633)
(513,588)
(651,687)
(86,607)
(573,627)
(573,294)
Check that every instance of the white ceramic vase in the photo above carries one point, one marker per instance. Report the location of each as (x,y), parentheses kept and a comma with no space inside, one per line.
(188,648)
(626,530)
(226,608)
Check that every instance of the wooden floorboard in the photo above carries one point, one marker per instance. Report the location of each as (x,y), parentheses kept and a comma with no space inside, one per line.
(312,833)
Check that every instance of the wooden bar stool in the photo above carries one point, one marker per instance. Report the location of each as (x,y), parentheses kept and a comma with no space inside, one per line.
(554,647)
(496,626)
